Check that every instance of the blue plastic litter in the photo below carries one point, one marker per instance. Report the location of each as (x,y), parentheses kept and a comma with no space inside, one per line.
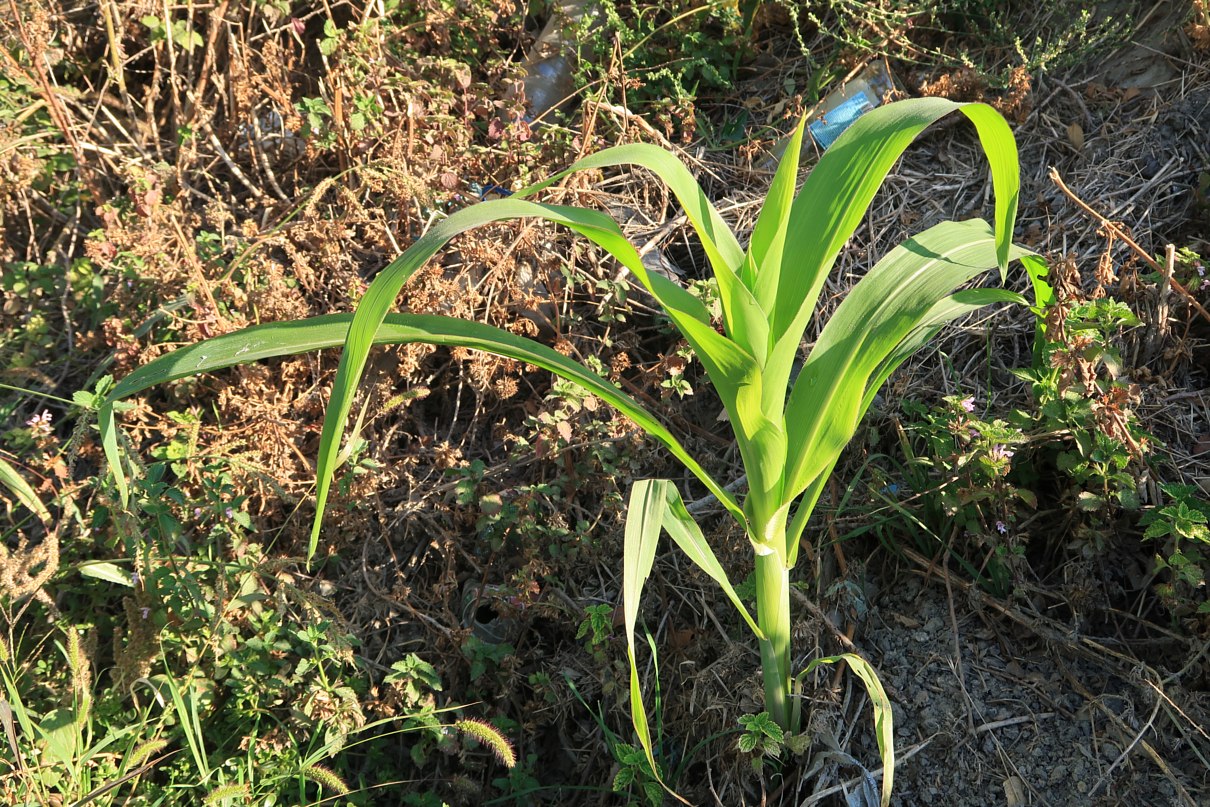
(488,190)
(829,127)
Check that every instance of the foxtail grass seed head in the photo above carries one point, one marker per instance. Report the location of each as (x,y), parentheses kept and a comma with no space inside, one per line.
(490,736)
(224,794)
(141,753)
(326,778)
(81,670)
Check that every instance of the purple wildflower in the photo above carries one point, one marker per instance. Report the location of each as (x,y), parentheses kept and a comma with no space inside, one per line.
(40,423)
(1001,528)
(1000,453)
(968,404)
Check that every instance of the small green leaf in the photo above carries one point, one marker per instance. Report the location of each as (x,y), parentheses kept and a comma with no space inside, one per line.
(109,572)
(1089,502)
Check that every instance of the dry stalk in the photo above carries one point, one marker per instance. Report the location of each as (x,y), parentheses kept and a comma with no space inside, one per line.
(1119,232)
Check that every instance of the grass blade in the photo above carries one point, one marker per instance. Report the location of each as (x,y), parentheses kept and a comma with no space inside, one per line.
(22,490)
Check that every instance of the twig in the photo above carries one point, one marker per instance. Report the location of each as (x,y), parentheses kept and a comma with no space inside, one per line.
(816,798)
(1079,645)
(1011,721)
(1120,232)
(1121,726)
(630,117)
(1126,751)
(707,502)
(256,192)
(54,105)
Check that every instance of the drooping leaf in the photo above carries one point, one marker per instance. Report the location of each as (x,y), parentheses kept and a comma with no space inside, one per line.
(881,311)
(644,519)
(884,725)
(730,368)
(838,191)
(22,490)
(289,338)
(686,533)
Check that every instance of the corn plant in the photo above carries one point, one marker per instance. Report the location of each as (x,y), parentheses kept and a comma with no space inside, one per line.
(790,432)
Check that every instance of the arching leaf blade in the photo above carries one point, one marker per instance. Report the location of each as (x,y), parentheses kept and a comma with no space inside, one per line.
(882,310)
(278,339)
(684,309)
(744,319)
(838,191)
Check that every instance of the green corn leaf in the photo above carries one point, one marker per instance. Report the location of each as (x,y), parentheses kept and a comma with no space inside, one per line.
(884,727)
(1044,297)
(743,318)
(288,338)
(950,308)
(722,249)
(730,368)
(838,191)
(684,309)
(1038,271)
(764,265)
(688,536)
(644,518)
(883,309)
